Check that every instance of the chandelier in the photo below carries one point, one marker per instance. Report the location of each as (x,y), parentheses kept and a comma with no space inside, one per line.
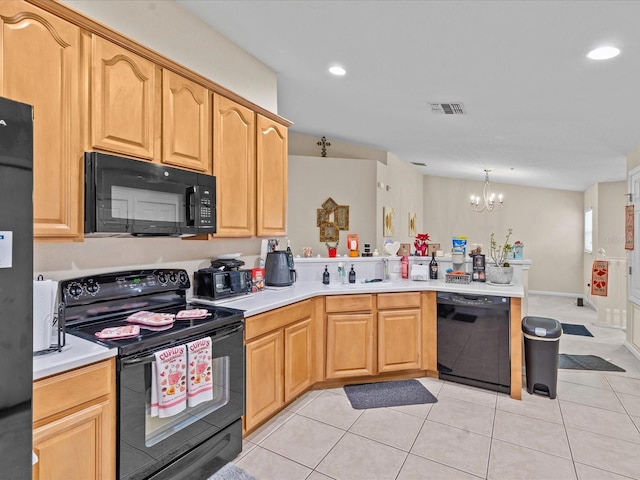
(488,200)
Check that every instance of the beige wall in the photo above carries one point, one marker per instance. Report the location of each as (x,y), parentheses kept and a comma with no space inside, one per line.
(548,222)
(307,145)
(404,195)
(312,180)
(169,29)
(353,182)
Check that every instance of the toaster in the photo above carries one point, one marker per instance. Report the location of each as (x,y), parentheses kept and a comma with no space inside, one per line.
(214,284)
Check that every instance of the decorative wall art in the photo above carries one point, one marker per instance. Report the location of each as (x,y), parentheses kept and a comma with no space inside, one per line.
(412,224)
(628,227)
(387,222)
(330,219)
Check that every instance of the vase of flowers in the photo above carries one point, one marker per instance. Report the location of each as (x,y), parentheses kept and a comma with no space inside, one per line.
(500,272)
(421,244)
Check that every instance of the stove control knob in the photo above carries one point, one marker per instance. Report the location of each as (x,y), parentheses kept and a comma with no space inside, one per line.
(184,279)
(172,277)
(162,278)
(75,290)
(93,288)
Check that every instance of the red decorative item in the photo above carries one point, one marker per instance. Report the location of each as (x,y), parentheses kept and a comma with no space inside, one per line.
(421,244)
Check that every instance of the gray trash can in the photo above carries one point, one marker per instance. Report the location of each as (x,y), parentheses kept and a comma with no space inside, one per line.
(541,344)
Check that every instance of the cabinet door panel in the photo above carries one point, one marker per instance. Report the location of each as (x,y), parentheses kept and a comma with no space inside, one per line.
(40,61)
(185,123)
(298,358)
(399,340)
(76,446)
(350,345)
(272,161)
(124,107)
(264,378)
(234,165)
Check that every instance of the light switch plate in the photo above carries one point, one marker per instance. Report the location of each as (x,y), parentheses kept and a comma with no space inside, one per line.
(6,249)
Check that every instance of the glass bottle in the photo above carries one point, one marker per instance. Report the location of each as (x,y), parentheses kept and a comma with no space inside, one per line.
(433,267)
(352,275)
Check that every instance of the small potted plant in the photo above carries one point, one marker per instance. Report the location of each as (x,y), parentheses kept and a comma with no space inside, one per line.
(500,272)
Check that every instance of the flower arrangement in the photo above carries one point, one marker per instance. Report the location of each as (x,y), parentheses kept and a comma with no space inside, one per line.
(421,244)
(499,253)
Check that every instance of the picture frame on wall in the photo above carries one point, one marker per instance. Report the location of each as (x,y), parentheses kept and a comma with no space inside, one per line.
(412,224)
(387,222)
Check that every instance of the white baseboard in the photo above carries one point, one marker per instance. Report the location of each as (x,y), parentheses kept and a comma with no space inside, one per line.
(556,294)
(634,351)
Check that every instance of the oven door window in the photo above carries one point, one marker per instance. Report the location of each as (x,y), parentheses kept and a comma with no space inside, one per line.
(157,429)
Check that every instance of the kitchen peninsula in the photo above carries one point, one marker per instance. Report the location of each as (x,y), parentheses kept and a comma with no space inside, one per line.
(311,336)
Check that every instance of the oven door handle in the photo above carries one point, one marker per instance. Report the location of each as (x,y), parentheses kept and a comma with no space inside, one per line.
(132,361)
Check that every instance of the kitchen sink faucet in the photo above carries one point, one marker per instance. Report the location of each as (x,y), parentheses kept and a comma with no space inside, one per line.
(385,269)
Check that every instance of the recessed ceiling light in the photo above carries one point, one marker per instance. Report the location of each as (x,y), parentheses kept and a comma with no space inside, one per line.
(603,53)
(337,70)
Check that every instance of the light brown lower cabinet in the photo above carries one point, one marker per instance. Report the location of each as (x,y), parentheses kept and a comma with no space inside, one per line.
(74,424)
(280,350)
(350,345)
(264,374)
(399,332)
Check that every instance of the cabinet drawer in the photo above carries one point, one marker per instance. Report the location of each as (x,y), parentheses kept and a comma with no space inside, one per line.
(398,300)
(61,392)
(267,322)
(349,303)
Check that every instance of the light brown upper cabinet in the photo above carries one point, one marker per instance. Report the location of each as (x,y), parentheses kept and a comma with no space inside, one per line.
(40,62)
(234,165)
(186,123)
(125,101)
(272,161)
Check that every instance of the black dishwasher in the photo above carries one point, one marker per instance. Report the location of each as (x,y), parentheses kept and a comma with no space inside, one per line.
(473,340)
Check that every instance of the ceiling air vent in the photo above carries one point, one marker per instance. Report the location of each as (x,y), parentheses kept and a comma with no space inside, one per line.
(448,108)
(419,164)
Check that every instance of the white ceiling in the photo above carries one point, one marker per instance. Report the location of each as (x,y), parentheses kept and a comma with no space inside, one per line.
(539,112)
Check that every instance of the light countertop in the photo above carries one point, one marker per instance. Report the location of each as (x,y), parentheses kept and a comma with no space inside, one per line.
(79,352)
(76,353)
(270,299)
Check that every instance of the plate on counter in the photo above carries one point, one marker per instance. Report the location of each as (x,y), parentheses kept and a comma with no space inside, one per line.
(500,284)
(228,256)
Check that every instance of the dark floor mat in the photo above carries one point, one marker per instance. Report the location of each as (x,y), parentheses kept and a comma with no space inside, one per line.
(388,394)
(571,329)
(231,472)
(586,362)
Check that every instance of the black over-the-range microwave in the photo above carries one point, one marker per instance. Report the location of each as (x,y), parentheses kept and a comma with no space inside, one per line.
(135,197)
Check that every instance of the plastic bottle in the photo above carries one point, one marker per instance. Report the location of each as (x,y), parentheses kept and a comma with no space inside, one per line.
(325,276)
(352,275)
(433,267)
(404,266)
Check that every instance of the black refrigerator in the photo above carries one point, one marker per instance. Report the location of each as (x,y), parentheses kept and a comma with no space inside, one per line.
(16,288)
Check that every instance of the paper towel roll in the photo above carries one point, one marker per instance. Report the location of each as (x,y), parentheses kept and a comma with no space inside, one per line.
(44,300)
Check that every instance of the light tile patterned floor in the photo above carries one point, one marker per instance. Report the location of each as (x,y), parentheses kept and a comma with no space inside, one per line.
(590,432)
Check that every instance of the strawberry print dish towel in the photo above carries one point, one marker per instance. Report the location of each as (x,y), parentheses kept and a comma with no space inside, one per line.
(199,378)
(170,381)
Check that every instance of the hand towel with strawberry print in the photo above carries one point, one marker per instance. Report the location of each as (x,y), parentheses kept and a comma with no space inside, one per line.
(171,379)
(199,377)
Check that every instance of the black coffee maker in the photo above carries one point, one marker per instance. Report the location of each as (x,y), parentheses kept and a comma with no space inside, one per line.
(279,269)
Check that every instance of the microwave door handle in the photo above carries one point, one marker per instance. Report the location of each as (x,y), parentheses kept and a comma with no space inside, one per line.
(191,205)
